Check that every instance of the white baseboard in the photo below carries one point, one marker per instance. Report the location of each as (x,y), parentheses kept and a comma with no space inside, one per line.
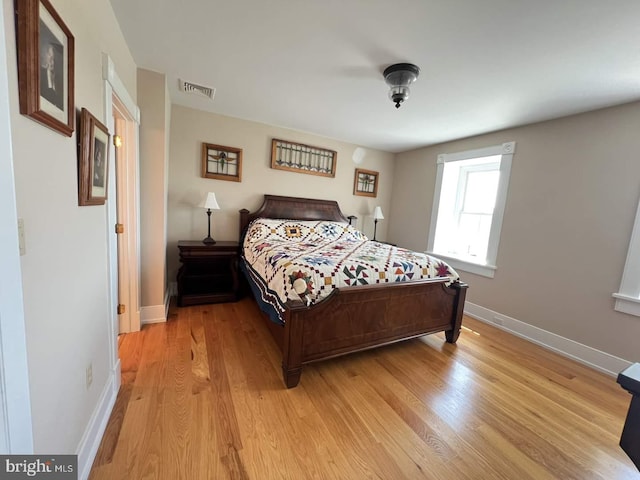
(92,437)
(601,361)
(153,314)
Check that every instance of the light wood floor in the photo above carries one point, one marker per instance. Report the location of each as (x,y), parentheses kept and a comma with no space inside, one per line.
(203,398)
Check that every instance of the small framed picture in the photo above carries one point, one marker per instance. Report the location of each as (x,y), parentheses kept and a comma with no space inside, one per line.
(221,163)
(365,183)
(45,66)
(93,159)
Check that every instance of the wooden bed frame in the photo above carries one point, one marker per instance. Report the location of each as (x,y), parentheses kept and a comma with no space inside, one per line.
(359,317)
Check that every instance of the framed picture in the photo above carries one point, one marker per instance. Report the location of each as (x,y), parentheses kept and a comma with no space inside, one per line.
(93,159)
(301,158)
(221,163)
(365,183)
(45,65)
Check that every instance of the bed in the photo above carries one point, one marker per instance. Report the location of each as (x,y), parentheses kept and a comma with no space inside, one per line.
(345,319)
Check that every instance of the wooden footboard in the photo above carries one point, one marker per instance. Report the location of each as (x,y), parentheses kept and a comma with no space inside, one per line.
(363,317)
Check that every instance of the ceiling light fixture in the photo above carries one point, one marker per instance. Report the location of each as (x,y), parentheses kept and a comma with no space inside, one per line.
(399,77)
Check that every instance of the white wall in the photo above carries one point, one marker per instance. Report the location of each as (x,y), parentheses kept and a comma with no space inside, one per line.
(64,271)
(189,128)
(573,194)
(155,113)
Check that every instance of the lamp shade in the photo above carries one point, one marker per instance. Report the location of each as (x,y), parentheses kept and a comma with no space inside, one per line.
(377,214)
(210,202)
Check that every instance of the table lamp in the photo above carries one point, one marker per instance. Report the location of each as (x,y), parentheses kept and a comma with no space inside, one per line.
(377,215)
(210,203)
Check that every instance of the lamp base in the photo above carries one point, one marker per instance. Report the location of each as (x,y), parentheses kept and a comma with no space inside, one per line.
(208,241)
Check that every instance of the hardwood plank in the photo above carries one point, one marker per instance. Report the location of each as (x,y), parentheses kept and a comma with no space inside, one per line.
(130,350)
(203,398)
(347,429)
(200,374)
(439,438)
(255,376)
(114,426)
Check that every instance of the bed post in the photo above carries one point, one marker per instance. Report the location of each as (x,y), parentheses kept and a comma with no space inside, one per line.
(244,221)
(292,346)
(458,310)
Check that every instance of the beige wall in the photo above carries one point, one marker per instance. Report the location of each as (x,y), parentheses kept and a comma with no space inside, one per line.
(64,269)
(189,128)
(573,194)
(155,113)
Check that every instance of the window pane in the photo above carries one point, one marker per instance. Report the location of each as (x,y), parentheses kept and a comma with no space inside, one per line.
(474,233)
(468,209)
(467,199)
(480,195)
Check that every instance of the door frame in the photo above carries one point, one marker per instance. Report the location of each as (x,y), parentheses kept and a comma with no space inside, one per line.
(16,426)
(126,186)
(119,102)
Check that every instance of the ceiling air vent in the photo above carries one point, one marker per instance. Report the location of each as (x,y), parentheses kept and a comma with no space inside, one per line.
(196,89)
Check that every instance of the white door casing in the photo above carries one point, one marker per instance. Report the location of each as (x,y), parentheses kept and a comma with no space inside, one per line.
(119,105)
(16,427)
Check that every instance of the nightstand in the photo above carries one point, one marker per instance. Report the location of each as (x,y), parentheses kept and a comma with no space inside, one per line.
(209,272)
(629,379)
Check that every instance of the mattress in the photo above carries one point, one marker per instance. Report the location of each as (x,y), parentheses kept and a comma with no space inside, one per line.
(291,260)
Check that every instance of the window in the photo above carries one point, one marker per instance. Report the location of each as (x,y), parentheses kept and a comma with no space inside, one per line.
(628,298)
(468,206)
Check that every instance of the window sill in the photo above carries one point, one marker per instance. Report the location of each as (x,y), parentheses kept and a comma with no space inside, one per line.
(466,266)
(627,304)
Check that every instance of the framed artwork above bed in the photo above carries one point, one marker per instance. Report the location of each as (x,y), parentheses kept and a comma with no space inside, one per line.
(221,163)
(365,183)
(301,158)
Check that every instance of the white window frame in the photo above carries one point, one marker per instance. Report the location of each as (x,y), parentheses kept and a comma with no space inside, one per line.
(463,182)
(506,150)
(628,296)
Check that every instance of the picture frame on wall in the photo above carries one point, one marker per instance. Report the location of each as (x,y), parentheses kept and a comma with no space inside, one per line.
(302,158)
(365,183)
(45,66)
(93,160)
(221,163)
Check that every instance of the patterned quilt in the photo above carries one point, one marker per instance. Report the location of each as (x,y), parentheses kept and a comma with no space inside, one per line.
(307,260)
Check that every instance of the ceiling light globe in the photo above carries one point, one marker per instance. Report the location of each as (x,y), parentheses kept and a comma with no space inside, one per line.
(399,77)
(399,95)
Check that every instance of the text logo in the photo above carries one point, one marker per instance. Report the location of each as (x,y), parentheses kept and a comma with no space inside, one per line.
(49,467)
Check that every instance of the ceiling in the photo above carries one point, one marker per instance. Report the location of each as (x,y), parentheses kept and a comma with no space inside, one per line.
(316,66)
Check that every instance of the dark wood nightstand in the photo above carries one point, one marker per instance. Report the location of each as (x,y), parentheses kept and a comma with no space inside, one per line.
(209,273)
(629,379)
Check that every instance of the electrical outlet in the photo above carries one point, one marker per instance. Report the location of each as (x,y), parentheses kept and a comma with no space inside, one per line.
(89,374)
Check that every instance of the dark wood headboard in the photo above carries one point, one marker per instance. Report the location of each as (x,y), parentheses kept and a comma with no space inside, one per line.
(275,206)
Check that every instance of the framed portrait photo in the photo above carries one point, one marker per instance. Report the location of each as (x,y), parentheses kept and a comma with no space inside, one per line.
(45,66)
(93,160)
